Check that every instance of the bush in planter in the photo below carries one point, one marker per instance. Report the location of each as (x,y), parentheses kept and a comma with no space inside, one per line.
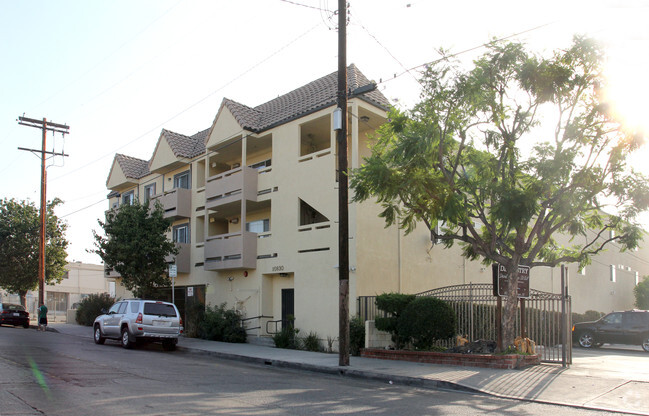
(392,304)
(425,320)
(90,307)
(356,335)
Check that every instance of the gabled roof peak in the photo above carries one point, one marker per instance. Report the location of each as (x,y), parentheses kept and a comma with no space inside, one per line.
(301,101)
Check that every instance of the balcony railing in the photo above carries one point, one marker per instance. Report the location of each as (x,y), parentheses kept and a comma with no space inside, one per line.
(182,259)
(176,203)
(231,251)
(230,186)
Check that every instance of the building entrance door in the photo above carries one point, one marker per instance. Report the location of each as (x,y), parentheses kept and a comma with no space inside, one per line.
(288,306)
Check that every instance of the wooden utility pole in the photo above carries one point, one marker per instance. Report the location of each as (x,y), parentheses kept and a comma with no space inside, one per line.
(54,128)
(343,209)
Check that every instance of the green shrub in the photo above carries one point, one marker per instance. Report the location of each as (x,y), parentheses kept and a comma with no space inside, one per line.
(425,320)
(90,307)
(311,342)
(287,338)
(356,335)
(393,305)
(221,324)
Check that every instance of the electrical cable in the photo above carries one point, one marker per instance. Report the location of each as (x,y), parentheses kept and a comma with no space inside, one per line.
(143,135)
(464,51)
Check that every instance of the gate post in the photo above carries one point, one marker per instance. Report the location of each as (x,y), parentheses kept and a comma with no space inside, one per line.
(523,329)
(564,318)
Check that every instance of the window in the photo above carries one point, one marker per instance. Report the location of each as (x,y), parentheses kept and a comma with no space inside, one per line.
(122,307)
(181,180)
(612,273)
(259,226)
(613,318)
(135,306)
(260,165)
(128,198)
(181,233)
(149,192)
(114,308)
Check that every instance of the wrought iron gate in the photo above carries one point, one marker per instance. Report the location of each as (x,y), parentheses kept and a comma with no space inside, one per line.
(475,308)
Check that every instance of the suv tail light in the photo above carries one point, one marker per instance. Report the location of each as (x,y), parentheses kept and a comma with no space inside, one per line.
(139,318)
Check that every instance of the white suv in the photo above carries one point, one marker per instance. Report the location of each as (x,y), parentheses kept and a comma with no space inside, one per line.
(133,320)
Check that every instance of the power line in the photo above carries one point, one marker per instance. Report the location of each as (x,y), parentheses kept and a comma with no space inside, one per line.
(89,70)
(103,200)
(307,6)
(407,71)
(241,75)
(386,49)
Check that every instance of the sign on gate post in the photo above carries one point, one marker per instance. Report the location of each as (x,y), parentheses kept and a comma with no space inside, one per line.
(500,282)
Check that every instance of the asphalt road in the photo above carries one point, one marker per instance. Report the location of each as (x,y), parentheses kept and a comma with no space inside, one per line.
(57,374)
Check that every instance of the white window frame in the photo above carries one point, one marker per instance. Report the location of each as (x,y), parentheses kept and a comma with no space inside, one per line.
(149,192)
(128,198)
(613,277)
(258,226)
(179,179)
(176,233)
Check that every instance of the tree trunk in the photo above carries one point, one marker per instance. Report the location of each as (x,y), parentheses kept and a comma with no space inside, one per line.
(23,297)
(510,308)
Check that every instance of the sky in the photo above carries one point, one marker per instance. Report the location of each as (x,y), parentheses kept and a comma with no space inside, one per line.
(118,72)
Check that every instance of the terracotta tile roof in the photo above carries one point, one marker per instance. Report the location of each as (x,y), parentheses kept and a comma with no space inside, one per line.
(186,146)
(311,97)
(132,167)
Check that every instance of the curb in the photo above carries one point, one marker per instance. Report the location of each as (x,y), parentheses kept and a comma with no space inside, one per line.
(339,371)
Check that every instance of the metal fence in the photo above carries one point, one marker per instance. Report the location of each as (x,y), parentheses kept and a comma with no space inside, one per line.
(475,307)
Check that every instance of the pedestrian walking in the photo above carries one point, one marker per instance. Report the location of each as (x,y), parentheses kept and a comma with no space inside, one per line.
(42,318)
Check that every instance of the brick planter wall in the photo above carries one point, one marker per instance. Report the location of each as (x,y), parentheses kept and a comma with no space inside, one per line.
(508,361)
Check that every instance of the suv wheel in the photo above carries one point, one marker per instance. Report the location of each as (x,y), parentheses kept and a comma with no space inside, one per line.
(586,340)
(126,339)
(645,342)
(99,339)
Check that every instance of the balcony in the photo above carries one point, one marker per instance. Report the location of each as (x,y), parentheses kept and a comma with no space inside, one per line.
(233,185)
(176,203)
(231,251)
(182,258)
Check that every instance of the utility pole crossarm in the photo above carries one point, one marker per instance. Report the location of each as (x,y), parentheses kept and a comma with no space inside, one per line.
(42,124)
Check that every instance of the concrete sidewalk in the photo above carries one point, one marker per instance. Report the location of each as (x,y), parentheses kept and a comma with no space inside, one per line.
(600,383)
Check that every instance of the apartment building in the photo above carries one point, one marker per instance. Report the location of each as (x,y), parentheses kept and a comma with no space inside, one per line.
(254,204)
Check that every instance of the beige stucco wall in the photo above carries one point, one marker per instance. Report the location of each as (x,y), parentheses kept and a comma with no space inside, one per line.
(381,259)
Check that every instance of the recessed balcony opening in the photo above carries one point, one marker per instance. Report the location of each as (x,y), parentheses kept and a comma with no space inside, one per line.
(226,156)
(315,135)
(217,226)
(259,151)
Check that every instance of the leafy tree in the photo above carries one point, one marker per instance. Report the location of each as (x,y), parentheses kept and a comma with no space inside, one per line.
(136,246)
(19,246)
(641,292)
(476,163)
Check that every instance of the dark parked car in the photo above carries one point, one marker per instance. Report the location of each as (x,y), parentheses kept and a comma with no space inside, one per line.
(628,327)
(12,314)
